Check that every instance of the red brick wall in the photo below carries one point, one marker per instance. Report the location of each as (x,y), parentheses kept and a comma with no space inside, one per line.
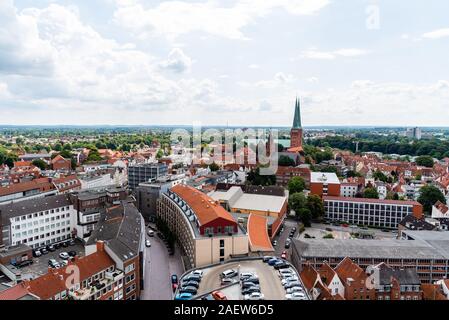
(333,190)
(295,138)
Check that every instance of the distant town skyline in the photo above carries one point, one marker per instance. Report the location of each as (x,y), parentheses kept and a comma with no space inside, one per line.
(241,63)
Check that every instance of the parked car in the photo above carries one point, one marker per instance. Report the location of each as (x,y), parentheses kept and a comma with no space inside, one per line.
(253,279)
(292,284)
(63,263)
(287,244)
(72,253)
(198,273)
(191,283)
(282,265)
(294,229)
(329,229)
(191,277)
(72,242)
(37,253)
(183,296)
(251,290)
(230,273)
(57,245)
(218,295)
(245,275)
(208,297)
(289,279)
(226,281)
(267,258)
(295,296)
(174,286)
(51,248)
(174,278)
(248,284)
(65,244)
(147,243)
(273,261)
(285,272)
(150,233)
(25,263)
(53,263)
(189,289)
(295,289)
(64,255)
(345,225)
(43,251)
(254,296)
(274,243)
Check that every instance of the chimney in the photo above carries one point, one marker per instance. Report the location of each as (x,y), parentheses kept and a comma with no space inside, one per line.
(100,246)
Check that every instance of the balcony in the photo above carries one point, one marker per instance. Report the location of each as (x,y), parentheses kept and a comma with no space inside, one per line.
(96,286)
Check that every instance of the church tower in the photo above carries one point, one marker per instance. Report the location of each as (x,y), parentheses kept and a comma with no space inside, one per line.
(296,131)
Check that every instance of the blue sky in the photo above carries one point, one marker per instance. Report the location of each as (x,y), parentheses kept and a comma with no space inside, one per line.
(352,62)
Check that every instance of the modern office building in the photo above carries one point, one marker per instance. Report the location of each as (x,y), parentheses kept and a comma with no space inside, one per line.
(147,194)
(370,212)
(144,172)
(324,184)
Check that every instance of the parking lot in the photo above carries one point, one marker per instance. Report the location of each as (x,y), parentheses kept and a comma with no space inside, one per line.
(270,282)
(40,264)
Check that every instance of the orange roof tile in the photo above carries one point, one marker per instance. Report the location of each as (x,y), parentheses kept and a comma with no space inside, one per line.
(205,208)
(258,233)
(54,282)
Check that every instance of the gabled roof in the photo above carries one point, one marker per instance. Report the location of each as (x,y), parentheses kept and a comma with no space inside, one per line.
(58,158)
(309,277)
(54,282)
(327,273)
(348,269)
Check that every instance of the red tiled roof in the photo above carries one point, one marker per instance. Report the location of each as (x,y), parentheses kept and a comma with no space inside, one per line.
(205,208)
(348,269)
(42,184)
(258,233)
(14,293)
(432,292)
(54,282)
(58,158)
(398,202)
(309,276)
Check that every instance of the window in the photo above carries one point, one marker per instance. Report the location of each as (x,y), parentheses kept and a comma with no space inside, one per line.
(222,243)
(129,268)
(222,252)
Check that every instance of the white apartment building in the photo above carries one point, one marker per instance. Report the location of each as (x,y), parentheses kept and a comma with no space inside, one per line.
(348,190)
(38,222)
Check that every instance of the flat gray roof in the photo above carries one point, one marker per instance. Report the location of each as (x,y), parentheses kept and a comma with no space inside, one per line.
(386,248)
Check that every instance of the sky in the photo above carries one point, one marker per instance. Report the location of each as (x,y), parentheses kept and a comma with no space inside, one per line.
(239,63)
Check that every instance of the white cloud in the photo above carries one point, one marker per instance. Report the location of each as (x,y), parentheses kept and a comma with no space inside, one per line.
(331,55)
(437,34)
(280,79)
(254,66)
(174,18)
(177,61)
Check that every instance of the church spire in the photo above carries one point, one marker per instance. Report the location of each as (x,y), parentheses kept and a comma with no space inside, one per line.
(297,118)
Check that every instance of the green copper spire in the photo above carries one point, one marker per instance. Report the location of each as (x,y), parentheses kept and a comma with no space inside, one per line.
(297,118)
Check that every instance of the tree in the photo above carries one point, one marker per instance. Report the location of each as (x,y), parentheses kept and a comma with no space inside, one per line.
(41,164)
(371,193)
(57,147)
(256,179)
(159,154)
(315,205)
(328,236)
(214,167)
(298,203)
(425,161)
(285,161)
(379,175)
(429,196)
(296,184)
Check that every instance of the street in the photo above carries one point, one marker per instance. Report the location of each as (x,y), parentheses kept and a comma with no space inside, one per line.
(159,267)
